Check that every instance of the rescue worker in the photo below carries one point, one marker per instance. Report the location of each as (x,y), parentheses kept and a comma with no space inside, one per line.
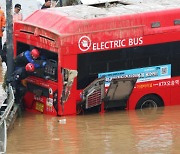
(15,81)
(25,64)
(29,57)
(24,58)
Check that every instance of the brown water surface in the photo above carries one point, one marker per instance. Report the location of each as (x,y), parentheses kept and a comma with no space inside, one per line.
(125,132)
(116,132)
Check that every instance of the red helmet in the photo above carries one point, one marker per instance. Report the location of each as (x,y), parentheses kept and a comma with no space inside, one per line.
(30,67)
(35,53)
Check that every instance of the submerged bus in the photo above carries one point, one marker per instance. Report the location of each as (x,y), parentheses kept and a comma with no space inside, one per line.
(122,54)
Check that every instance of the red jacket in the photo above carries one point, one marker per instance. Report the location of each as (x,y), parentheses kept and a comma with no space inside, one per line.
(2,22)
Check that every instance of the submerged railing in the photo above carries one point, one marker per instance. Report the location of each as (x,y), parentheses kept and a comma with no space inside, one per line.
(8,111)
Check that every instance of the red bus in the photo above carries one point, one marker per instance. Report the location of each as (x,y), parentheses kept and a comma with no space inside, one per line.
(92,49)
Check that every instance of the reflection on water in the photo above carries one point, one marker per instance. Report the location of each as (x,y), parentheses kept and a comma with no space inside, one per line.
(123,132)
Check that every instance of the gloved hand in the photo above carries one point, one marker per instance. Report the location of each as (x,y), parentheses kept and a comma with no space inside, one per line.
(3,28)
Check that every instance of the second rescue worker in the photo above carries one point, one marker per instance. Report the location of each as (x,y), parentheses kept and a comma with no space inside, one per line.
(28,57)
(18,75)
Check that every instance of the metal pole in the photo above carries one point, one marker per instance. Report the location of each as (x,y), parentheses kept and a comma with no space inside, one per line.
(9,39)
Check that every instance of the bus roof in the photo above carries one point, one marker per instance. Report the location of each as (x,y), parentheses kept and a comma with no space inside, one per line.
(71,19)
(162,2)
(114,8)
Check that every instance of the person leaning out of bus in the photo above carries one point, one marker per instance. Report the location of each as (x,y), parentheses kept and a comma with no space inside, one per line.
(16,81)
(46,5)
(17,16)
(28,56)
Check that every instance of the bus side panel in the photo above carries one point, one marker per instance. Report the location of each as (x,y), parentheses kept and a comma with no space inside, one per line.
(69,106)
(69,62)
(28,99)
(175,97)
(138,94)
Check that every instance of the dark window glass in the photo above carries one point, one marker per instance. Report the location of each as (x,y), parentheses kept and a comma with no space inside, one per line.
(90,64)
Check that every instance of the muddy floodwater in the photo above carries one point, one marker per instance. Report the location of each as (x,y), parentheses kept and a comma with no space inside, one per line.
(115,132)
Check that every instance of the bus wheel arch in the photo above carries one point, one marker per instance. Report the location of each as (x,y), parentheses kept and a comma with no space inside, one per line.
(150,101)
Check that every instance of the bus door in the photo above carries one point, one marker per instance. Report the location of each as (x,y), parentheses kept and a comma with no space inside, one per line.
(115,95)
(68,79)
(118,92)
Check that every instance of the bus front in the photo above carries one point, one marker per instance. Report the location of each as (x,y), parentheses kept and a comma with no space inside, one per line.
(42,86)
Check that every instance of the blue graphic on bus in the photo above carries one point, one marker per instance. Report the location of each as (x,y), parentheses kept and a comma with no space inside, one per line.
(143,74)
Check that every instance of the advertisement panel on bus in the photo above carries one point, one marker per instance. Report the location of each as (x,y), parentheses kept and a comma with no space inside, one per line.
(143,74)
